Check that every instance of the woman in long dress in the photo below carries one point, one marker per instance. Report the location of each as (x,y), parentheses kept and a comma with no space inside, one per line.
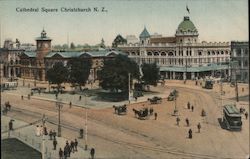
(38,131)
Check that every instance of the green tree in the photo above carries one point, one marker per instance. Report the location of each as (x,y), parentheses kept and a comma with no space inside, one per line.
(119,40)
(150,74)
(102,44)
(114,74)
(57,74)
(79,70)
(72,46)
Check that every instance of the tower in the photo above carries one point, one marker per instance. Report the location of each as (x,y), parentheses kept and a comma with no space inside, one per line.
(43,44)
(144,37)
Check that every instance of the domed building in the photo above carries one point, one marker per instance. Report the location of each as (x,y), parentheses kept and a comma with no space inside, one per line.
(181,56)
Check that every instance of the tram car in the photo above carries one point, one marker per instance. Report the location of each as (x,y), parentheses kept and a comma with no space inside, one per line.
(232,117)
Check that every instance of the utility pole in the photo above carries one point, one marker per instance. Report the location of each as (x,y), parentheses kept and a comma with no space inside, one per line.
(129,88)
(86,120)
(43,139)
(59,106)
(236,90)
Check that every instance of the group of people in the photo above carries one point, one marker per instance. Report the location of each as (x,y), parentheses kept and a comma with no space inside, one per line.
(68,148)
(190,132)
(41,130)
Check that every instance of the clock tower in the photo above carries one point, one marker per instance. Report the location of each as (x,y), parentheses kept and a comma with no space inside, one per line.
(43,44)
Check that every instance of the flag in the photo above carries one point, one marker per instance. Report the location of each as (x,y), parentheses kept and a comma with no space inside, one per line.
(187,9)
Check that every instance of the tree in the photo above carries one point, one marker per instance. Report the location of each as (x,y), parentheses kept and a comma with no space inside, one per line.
(114,74)
(150,74)
(72,46)
(79,70)
(57,74)
(119,40)
(102,44)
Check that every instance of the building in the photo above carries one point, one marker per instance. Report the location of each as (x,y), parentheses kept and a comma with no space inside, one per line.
(9,59)
(34,64)
(240,54)
(181,56)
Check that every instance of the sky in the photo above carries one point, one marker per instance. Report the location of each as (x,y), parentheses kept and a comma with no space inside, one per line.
(216,20)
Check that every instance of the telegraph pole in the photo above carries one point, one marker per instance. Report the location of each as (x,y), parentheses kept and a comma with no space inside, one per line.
(59,106)
(43,139)
(129,88)
(86,120)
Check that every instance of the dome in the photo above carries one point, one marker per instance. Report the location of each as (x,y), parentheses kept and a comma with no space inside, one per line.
(186,27)
(144,33)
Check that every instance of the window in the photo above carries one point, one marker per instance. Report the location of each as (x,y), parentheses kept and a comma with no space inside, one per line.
(222,52)
(149,53)
(208,53)
(199,53)
(156,54)
(163,54)
(238,52)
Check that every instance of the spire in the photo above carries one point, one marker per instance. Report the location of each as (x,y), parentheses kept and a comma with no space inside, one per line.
(144,33)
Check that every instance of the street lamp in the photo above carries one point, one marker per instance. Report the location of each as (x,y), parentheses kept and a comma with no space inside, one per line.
(59,106)
(86,119)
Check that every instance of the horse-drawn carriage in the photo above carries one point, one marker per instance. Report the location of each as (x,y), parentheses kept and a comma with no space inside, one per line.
(120,109)
(173,95)
(143,113)
(155,100)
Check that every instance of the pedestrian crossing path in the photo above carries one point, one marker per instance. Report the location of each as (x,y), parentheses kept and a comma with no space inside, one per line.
(27,134)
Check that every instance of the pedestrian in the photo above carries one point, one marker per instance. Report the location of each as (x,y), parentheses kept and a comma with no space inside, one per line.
(65,152)
(190,133)
(60,153)
(54,144)
(38,130)
(187,121)
(151,110)
(54,134)
(11,125)
(92,153)
(76,143)
(199,127)
(192,108)
(80,97)
(135,98)
(70,104)
(246,115)
(72,146)
(41,130)
(178,120)
(50,134)
(155,116)
(68,149)
(56,95)
(22,97)
(45,130)
(188,105)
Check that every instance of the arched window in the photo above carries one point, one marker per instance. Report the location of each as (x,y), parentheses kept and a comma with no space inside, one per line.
(170,54)
(163,54)
(200,53)
(213,52)
(156,54)
(149,53)
(218,52)
(133,53)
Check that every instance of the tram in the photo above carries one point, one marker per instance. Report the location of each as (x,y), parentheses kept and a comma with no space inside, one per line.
(232,117)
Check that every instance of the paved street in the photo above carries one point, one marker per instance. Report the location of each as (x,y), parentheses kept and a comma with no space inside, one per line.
(124,136)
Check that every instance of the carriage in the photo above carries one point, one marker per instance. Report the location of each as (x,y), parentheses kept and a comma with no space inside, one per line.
(120,109)
(155,100)
(172,95)
(142,114)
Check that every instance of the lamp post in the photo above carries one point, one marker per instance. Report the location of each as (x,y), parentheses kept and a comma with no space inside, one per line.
(43,139)
(86,120)
(59,106)
(129,88)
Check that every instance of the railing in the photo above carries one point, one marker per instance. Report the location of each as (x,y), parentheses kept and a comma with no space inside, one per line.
(30,141)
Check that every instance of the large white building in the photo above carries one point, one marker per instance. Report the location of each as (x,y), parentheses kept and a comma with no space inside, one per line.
(181,56)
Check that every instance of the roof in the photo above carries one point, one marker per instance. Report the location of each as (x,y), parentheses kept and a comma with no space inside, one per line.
(186,26)
(163,40)
(70,54)
(144,33)
(193,69)
(30,53)
(232,110)
(45,39)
